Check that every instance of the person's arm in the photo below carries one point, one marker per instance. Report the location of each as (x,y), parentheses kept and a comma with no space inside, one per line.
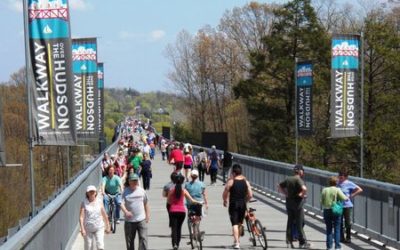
(103,187)
(81,219)
(127,213)
(355,192)
(225,194)
(205,198)
(187,196)
(147,211)
(303,191)
(282,189)
(105,218)
(249,191)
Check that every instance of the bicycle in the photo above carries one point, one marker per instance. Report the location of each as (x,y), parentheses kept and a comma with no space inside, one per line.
(112,215)
(255,228)
(195,235)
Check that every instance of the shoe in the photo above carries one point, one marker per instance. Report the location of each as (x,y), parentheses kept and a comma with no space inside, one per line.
(347,241)
(175,247)
(236,246)
(118,221)
(289,243)
(306,245)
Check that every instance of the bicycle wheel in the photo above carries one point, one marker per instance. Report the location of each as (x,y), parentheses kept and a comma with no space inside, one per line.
(260,234)
(111,217)
(251,232)
(190,227)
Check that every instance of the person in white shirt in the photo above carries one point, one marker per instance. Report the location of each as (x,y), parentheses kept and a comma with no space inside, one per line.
(137,213)
(93,220)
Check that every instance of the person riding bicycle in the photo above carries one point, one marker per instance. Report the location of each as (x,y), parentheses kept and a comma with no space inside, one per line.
(112,185)
(197,190)
(238,191)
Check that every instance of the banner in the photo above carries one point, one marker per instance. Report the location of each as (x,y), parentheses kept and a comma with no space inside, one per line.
(52,89)
(304,82)
(84,56)
(2,140)
(344,86)
(100,104)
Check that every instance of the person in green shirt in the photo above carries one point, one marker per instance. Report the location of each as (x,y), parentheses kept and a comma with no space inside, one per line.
(135,160)
(330,195)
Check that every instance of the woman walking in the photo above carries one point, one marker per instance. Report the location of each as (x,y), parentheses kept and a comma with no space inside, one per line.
(93,219)
(329,196)
(177,209)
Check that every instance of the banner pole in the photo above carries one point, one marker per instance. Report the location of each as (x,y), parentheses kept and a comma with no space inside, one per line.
(362,109)
(28,70)
(295,108)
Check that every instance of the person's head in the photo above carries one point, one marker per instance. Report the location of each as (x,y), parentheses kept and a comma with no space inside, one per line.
(145,157)
(298,169)
(173,176)
(332,181)
(201,150)
(343,175)
(91,192)
(236,170)
(111,170)
(213,147)
(133,180)
(194,174)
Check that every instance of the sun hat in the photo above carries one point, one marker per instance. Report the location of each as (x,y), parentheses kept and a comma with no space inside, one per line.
(91,188)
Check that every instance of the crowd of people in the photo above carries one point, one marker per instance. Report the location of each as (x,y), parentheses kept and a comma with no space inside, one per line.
(187,192)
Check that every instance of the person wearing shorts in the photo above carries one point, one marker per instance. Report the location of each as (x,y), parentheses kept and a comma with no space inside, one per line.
(238,192)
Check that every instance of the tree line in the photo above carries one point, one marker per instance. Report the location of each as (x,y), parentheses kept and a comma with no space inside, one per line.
(239,78)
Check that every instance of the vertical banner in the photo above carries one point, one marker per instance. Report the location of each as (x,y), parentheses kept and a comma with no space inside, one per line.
(52,90)
(84,57)
(304,82)
(344,86)
(100,104)
(2,140)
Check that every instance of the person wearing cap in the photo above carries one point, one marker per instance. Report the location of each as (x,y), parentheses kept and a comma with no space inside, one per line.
(295,191)
(93,220)
(197,190)
(137,213)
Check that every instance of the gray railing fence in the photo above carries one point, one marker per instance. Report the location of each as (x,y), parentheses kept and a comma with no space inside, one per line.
(376,211)
(56,222)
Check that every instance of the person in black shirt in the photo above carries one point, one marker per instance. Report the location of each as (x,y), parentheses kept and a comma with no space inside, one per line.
(238,191)
(226,164)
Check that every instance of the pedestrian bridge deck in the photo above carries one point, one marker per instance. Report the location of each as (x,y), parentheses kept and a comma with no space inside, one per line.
(270,212)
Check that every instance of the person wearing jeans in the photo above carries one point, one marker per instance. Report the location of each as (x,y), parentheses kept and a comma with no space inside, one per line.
(330,195)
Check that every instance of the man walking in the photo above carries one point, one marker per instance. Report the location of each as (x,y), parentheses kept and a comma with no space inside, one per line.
(295,191)
(137,213)
(238,192)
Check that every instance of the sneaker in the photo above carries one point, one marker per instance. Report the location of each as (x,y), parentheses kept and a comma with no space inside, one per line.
(306,245)
(118,221)
(236,246)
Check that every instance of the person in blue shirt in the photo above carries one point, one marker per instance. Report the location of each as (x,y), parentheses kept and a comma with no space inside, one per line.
(197,191)
(350,189)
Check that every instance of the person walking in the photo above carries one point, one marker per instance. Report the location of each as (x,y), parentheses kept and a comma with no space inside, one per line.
(330,195)
(93,220)
(238,192)
(146,172)
(226,164)
(197,190)
(188,161)
(177,209)
(350,189)
(295,191)
(137,213)
(214,165)
(201,163)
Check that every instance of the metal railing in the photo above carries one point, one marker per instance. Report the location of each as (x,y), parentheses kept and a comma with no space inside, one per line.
(376,209)
(56,223)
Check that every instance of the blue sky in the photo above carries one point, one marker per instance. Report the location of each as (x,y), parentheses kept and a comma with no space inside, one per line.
(132,35)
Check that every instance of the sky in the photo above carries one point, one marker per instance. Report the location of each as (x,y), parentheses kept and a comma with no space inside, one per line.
(132,35)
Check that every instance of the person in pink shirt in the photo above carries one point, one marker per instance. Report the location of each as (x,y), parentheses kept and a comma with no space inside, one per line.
(187,164)
(177,209)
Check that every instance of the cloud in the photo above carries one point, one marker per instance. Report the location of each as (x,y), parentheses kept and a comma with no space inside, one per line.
(156,35)
(15,5)
(79,5)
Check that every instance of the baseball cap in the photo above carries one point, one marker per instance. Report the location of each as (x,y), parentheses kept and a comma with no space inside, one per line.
(90,188)
(298,167)
(213,147)
(195,172)
(133,177)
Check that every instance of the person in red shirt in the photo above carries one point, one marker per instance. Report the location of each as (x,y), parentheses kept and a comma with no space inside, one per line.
(176,158)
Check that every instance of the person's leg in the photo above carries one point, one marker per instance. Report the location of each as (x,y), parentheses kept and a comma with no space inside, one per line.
(129,235)
(299,220)
(328,224)
(118,200)
(88,241)
(99,236)
(290,221)
(181,218)
(142,231)
(347,222)
(106,201)
(174,228)
(336,225)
